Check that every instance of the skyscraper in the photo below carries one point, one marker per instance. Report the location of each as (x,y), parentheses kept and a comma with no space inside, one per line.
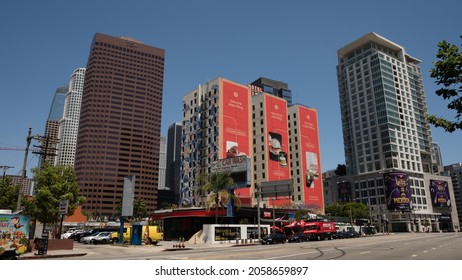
(69,123)
(49,141)
(387,140)
(120,121)
(174,160)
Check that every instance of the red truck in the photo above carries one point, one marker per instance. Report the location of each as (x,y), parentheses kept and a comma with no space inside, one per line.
(319,230)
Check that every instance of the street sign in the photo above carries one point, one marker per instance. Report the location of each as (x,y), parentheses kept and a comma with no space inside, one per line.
(63,205)
(276,188)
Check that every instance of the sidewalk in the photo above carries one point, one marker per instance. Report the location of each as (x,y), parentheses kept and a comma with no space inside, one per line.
(82,249)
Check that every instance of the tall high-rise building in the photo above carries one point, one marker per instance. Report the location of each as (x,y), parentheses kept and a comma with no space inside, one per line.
(174,160)
(69,123)
(216,125)
(223,123)
(120,122)
(162,162)
(50,138)
(387,139)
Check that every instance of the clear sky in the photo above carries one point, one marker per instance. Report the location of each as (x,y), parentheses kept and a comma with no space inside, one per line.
(296,42)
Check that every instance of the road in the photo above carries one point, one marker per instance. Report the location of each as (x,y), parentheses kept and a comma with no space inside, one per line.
(398,246)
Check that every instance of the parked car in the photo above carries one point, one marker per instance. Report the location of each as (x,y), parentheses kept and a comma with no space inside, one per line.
(297,237)
(103,238)
(90,238)
(274,238)
(78,236)
(351,234)
(339,235)
(68,233)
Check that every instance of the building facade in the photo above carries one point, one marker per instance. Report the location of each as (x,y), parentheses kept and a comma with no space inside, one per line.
(226,120)
(277,88)
(69,123)
(305,158)
(49,141)
(455,172)
(162,163)
(387,139)
(174,160)
(216,125)
(120,121)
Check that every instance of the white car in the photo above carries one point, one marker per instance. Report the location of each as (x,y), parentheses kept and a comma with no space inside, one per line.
(89,239)
(67,234)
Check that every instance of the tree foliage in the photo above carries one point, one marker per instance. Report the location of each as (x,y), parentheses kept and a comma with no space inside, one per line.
(219,188)
(53,184)
(447,71)
(349,209)
(8,194)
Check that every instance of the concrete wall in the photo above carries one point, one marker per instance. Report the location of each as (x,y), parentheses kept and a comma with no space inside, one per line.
(222,234)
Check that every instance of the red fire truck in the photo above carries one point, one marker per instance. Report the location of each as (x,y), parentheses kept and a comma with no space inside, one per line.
(319,230)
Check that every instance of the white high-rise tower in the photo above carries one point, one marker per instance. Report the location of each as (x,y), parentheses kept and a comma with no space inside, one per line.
(69,124)
(389,154)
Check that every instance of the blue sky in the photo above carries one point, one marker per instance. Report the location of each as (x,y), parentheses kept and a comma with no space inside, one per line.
(292,41)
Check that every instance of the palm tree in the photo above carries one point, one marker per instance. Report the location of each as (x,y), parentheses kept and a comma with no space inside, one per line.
(220,187)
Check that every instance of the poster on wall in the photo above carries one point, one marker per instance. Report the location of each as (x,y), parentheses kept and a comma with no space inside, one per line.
(278,138)
(235,127)
(439,192)
(235,133)
(397,191)
(311,159)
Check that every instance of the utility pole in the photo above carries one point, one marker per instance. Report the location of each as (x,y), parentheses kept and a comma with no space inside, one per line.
(24,166)
(5,168)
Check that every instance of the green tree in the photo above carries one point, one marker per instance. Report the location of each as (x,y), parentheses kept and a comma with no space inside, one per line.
(447,71)
(353,210)
(335,209)
(53,184)
(140,210)
(219,186)
(8,194)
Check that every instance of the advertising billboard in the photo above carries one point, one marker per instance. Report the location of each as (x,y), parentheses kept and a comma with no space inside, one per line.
(235,130)
(238,167)
(311,158)
(235,126)
(397,191)
(439,193)
(277,138)
(344,191)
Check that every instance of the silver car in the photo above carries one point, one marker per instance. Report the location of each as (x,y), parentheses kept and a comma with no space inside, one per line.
(90,238)
(103,238)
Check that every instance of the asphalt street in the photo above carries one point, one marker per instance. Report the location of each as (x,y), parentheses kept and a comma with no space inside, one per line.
(398,246)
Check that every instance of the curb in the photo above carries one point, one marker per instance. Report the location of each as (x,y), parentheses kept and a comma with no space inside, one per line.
(51,256)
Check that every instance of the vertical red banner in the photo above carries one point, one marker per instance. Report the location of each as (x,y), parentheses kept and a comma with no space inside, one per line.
(277,138)
(311,158)
(235,127)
